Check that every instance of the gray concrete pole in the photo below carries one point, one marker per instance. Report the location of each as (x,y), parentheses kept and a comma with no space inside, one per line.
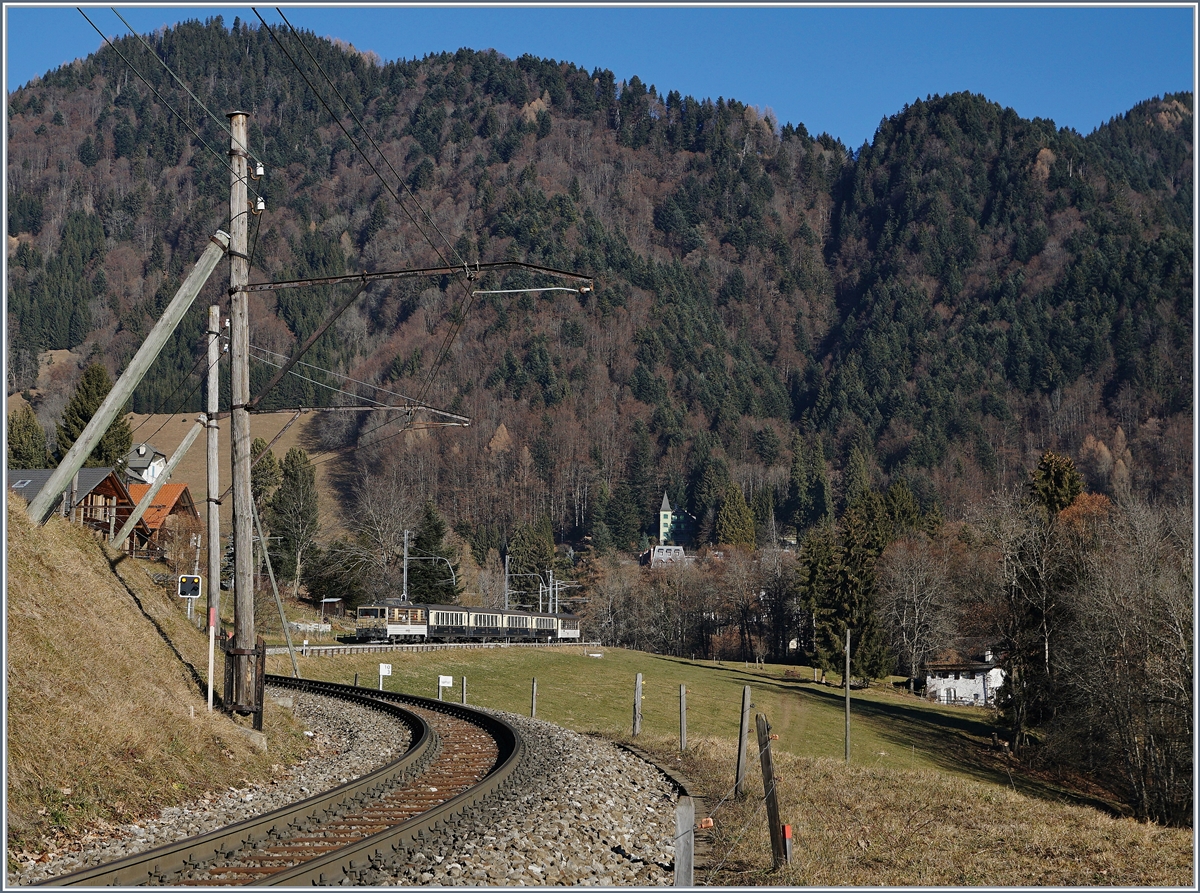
(148,499)
(122,391)
(239,379)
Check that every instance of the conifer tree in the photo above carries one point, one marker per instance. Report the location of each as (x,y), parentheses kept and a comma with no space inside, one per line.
(433,573)
(26,439)
(93,387)
(293,516)
(1055,482)
(265,476)
(735,521)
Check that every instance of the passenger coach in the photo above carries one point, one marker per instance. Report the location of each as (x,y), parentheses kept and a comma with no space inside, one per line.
(395,620)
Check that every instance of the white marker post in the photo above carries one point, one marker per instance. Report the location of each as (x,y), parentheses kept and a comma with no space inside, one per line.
(384,670)
(212,647)
(444,682)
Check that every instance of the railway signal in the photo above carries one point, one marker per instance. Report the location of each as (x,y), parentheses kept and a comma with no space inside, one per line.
(189,587)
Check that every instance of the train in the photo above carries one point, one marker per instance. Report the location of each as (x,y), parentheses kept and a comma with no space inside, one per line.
(394,620)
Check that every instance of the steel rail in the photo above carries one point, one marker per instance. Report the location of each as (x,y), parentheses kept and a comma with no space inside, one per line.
(171,860)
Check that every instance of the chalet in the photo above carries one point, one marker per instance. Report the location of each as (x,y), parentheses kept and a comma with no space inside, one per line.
(143,464)
(663,556)
(101,501)
(963,676)
(172,516)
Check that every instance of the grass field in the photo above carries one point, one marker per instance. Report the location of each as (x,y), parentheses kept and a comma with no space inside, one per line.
(889,728)
(925,801)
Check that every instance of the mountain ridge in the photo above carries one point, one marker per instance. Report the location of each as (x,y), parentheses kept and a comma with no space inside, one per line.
(965,291)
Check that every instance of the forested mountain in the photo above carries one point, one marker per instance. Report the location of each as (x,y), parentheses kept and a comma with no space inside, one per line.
(772,309)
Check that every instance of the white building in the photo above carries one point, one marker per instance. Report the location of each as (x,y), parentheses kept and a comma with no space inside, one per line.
(144,464)
(953,680)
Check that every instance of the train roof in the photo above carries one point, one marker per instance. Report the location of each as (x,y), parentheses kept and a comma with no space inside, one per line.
(401,603)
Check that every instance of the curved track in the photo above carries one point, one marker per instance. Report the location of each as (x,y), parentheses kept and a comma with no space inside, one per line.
(457,757)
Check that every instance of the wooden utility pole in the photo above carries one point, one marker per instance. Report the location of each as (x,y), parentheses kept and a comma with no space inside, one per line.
(213,485)
(122,391)
(239,379)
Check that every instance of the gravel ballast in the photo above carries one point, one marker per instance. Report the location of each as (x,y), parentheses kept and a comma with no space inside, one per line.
(585,811)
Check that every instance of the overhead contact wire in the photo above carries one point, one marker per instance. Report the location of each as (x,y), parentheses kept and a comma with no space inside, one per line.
(469,298)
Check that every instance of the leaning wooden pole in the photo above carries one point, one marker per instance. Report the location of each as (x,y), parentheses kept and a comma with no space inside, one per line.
(39,509)
(739,785)
(239,379)
(770,789)
(148,500)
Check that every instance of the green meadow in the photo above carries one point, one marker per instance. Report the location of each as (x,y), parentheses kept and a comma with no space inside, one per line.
(889,727)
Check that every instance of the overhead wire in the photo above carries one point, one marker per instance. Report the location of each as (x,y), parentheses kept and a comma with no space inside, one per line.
(469,297)
(338,121)
(264,360)
(342,376)
(224,161)
(152,51)
(185,398)
(367,134)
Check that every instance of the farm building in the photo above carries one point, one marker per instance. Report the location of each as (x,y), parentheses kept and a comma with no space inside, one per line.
(971,680)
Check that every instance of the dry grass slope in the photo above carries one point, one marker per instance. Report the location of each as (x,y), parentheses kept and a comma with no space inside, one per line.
(868,826)
(103,671)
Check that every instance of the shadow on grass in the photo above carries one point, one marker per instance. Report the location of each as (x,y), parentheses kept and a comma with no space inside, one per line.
(958,742)
(201,683)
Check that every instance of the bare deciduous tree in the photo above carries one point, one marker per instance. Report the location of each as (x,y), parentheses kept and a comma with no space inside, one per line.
(913,599)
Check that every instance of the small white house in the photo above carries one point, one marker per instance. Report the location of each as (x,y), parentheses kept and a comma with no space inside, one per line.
(144,464)
(953,680)
(663,555)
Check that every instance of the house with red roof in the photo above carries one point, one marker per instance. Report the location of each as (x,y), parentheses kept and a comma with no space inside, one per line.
(172,518)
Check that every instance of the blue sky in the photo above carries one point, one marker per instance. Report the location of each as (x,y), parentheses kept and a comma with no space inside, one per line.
(838,70)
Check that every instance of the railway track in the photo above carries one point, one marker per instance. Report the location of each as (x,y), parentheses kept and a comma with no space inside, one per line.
(457,758)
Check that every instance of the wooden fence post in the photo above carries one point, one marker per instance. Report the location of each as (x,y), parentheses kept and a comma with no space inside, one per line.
(682,718)
(260,680)
(637,706)
(770,789)
(464,689)
(685,841)
(848,695)
(739,788)
(533,701)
